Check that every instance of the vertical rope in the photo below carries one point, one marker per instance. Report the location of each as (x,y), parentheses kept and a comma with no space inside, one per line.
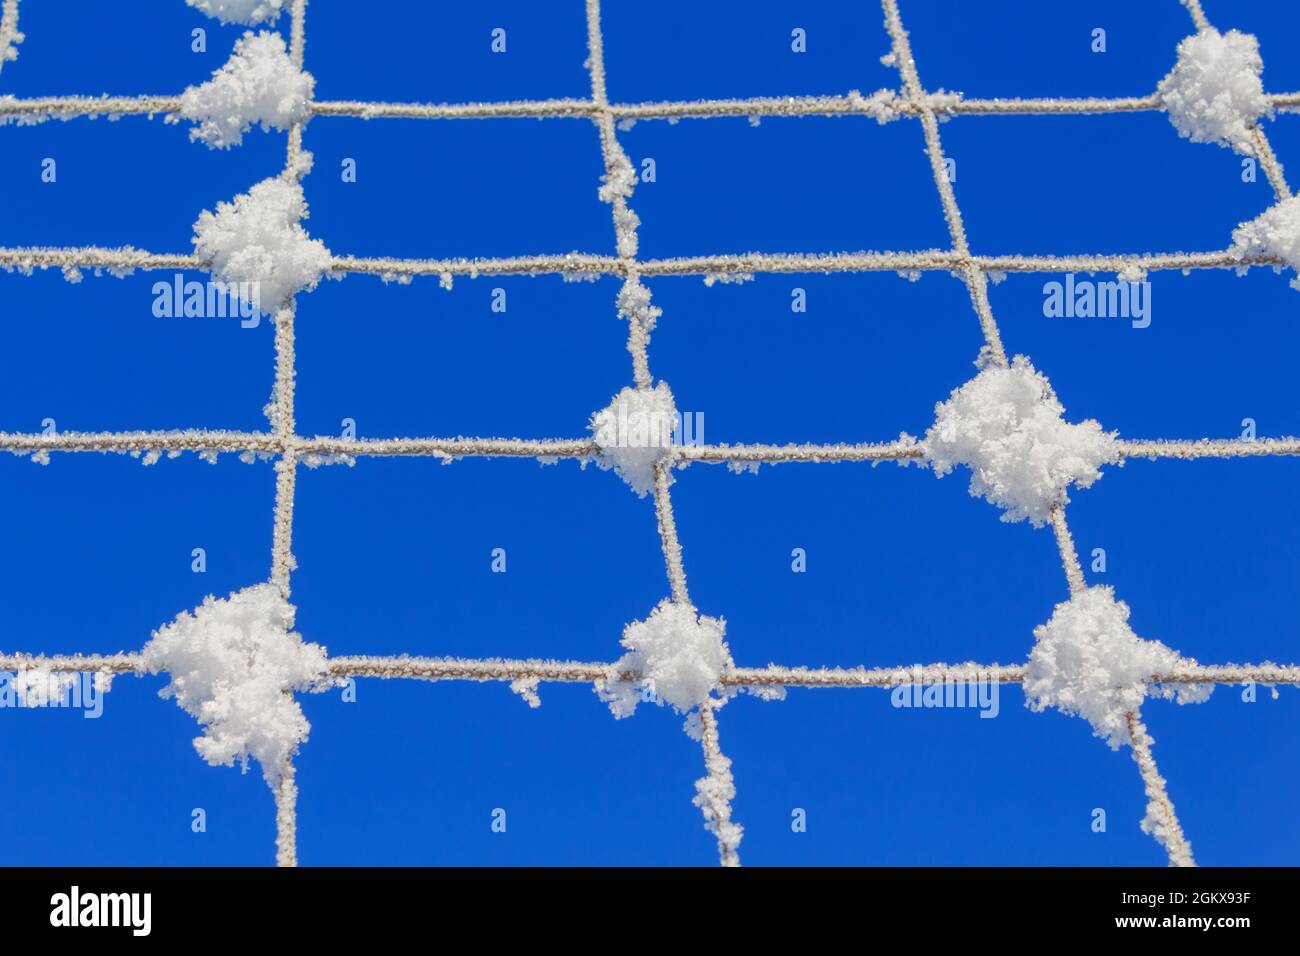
(715,791)
(1197,14)
(1069,556)
(286,467)
(1161,820)
(1272,166)
(973,276)
(614,157)
(286,816)
(672,548)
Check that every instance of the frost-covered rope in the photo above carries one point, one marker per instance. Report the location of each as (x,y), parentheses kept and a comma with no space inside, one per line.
(582,264)
(672,547)
(1272,165)
(585,672)
(1069,555)
(612,153)
(975,278)
(282,562)
(715,790)
(945,261)
(39,108)
(286,816)
(1197,14)
(450,449)
(286,467)
(625,222)
(875,105)
(1209,448)
(1161,820)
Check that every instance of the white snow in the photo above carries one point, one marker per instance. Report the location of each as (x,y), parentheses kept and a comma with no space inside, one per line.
(233,663)
(1006,424)
(247,12)
(1214,93)
(727,278)
(678,655)
(1275,232)
(258,85)
(259,238)
(1088,662)
(635,432)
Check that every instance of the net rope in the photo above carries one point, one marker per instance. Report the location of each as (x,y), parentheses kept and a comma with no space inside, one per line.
(290,449)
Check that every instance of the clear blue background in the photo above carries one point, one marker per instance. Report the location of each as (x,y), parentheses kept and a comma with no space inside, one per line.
(394,554)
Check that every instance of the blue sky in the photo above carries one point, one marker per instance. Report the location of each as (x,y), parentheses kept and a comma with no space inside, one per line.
(394,554)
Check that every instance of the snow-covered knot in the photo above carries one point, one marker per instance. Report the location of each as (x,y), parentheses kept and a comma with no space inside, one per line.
(1087,662)
(675,655)
(247,12)
(234,664)
(259,85)
(635,433)
(1214,93)
(1274,232)
(1006,425)
(259,239)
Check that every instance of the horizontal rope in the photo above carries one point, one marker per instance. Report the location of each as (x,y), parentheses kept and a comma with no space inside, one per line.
(588,265)
(1210,448)
(501,669)
(881,104)
(200,440)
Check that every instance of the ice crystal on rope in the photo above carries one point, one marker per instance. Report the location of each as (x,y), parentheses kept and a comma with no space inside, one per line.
(678,656)
(1006,424)
(634,305)
(233,665)
(713,795)
(1214,93)
(1088,662)
(259,239)
(259,85)
(617,186)
(9,39)
(634,433)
